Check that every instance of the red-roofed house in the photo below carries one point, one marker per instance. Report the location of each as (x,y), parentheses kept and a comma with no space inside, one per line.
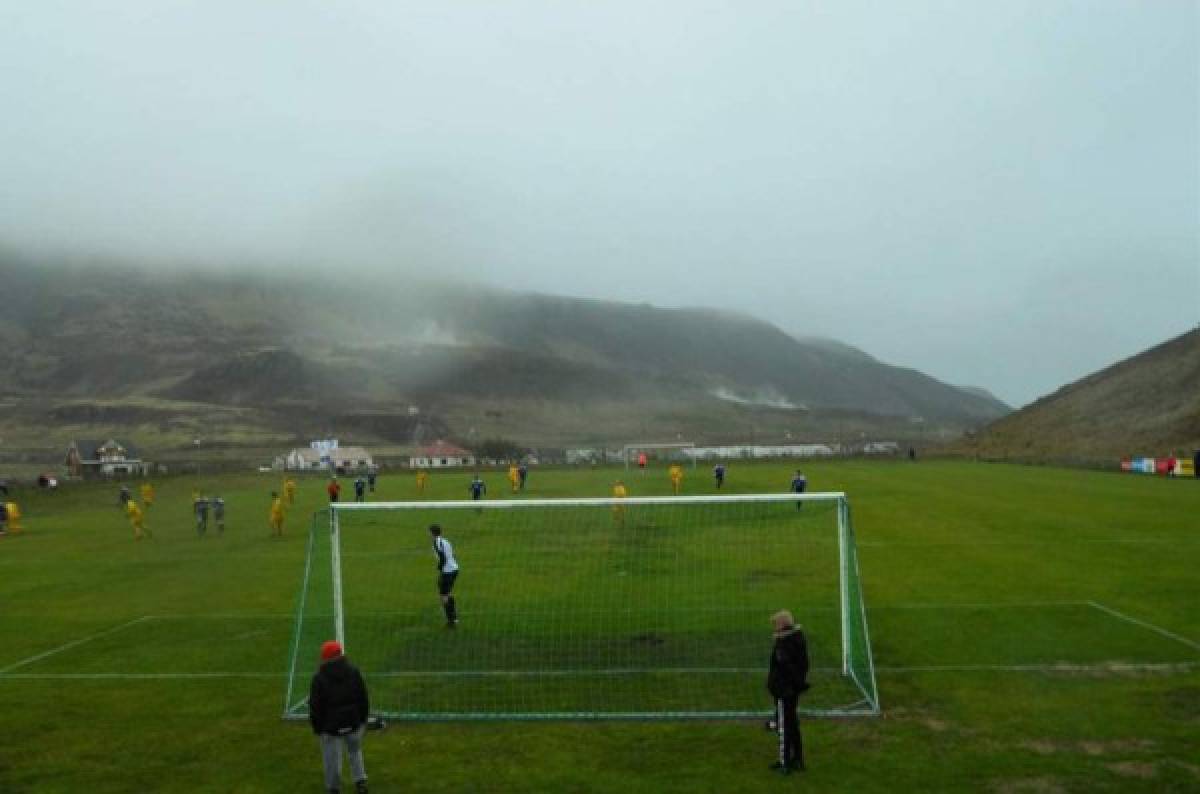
(440,455)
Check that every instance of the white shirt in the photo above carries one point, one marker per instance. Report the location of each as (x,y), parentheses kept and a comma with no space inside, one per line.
(443,545)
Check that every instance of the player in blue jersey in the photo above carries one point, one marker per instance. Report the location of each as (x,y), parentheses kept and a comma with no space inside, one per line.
(799,485)
(478,488)
(719,474)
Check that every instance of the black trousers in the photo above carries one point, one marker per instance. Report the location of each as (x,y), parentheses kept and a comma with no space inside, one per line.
(791,746)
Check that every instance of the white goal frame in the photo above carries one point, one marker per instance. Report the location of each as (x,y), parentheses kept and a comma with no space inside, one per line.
(868,706)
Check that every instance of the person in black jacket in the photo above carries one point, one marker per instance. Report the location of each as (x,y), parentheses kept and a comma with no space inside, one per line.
(786,681)
(337,709)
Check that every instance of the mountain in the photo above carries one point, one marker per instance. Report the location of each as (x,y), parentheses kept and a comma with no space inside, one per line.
(1148,404)
(263,358)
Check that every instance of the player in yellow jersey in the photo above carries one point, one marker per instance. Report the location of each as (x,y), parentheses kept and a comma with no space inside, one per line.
(618,511)
(676,475)
(136,519)
(276,516)
(422,478)
(289,490)
(147,494)
(514,478)
(14,516)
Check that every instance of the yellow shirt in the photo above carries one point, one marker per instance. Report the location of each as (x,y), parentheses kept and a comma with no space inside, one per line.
(133,511)
(277,509)
(14,511)
(147,493)
(676,473)
(619,492)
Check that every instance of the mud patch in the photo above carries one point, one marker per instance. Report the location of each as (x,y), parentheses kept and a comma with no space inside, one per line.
(1029,785)
(1138,769)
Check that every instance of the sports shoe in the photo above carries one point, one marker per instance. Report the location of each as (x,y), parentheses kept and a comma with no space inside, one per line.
(781,768)
(360,787)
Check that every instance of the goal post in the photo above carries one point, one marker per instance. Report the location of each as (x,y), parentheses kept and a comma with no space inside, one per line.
(640,608)
(675,452)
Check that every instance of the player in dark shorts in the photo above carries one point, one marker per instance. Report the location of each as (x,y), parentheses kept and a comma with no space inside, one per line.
(447,568)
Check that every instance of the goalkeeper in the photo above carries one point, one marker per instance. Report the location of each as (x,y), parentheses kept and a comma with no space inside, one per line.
(447,568)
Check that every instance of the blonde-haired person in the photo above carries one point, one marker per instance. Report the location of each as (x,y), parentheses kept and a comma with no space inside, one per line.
(787,679)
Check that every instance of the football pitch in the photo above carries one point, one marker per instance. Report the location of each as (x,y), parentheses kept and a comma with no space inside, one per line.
(1033,629)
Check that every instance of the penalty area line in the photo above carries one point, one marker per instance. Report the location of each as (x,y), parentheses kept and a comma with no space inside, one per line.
(73,644)
(1150,626)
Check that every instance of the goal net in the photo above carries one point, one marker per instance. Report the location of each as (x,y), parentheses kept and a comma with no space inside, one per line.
(646,608)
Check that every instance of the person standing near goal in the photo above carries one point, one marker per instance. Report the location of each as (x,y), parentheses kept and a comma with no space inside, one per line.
(338,706)
(787,679)
(719,475)
(447,568)
(333,489)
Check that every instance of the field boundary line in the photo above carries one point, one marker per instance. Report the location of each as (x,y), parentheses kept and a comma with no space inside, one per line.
(979,605)
(1156,629)
(1061,667)
(73,644)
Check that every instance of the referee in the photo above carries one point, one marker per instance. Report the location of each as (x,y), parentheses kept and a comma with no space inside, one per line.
(447,572)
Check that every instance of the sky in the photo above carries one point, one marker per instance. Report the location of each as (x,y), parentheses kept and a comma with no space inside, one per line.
(1002,194)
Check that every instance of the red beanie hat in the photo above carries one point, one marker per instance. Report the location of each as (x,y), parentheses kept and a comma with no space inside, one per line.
(331,650)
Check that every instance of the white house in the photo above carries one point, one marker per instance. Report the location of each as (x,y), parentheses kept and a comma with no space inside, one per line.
(441,455)
(309,459)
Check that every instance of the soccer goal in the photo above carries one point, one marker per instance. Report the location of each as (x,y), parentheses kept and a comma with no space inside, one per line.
(641,608)
(679,452)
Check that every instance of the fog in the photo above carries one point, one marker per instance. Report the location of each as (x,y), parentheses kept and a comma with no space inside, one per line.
(1001,194)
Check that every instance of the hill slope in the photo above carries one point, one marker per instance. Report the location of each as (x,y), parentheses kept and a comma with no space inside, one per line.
(1145,405)
(293,354)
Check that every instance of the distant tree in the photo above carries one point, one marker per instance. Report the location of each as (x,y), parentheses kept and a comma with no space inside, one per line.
(498,449)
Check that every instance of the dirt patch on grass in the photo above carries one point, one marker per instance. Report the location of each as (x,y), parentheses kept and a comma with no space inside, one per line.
(1087,747)
(1140,769)
(1027,785)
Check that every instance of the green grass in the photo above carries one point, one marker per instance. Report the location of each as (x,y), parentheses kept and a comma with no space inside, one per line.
(987,589)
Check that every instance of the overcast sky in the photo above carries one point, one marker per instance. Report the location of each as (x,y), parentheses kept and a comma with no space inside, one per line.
(1004,194)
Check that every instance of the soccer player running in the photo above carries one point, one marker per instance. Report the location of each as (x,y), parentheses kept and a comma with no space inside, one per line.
(787,679)
(514,478)
(522,474)
(338,706)
(372,473)
(719,475)
(275,518)
(289,490)
(218,508)
(676,475)
(799,485)
(360,490)
(136,520)
(447,568)
(147,494)
(422,478)
(334,489)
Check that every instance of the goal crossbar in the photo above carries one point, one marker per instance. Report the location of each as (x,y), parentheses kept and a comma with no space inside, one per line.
(606,501)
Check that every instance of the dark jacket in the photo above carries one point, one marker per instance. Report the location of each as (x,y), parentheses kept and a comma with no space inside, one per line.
(337,700)
(788,675)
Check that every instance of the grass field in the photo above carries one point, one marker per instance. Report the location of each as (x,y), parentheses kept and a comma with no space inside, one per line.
(1034,630)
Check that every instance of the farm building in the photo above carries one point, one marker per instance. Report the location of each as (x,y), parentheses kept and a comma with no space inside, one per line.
(441,455)
(110,458)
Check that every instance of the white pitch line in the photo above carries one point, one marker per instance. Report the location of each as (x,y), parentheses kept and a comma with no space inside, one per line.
(70,645)
(1100,667)
(1156,629)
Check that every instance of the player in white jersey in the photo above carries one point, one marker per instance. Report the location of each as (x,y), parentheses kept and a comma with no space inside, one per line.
(447,572)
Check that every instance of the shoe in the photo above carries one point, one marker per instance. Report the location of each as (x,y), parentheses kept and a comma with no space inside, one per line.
(781,768)
(796,765)
(360,787)
(451,624)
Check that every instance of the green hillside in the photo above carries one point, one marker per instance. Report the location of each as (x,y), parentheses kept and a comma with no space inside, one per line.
(1145,405)
(258,361)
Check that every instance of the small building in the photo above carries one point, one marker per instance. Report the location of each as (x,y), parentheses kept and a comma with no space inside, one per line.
(111,458)
(337,459)
(441,455)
